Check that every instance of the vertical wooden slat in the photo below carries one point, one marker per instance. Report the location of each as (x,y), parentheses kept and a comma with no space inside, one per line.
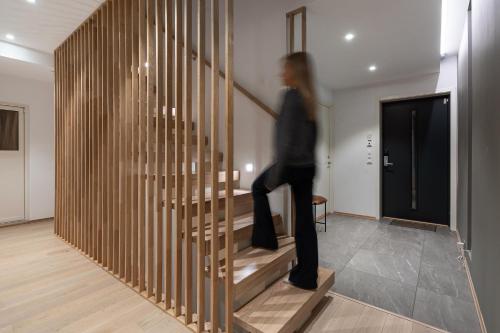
(214,141)
(89,139)
(160,102)
(178,159)
(110,137)
(116,138)
(66,125)
(63,149)
(64,217)
(122,139)
(128,140)
(72,137)
(93,127)
(70,140)
(105,151)
(79,137)
(200,277)
(99,110)
(83,118)
(229,155)
(75,136)
(57,71)
(169,102)
(150,143)
(59,157)
(188,186)
(142,142)
(135,142)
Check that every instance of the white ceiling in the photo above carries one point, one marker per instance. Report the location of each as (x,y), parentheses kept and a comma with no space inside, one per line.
(401,37)
(44,25)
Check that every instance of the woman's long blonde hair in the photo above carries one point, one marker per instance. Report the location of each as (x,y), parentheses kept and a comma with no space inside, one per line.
(302,68)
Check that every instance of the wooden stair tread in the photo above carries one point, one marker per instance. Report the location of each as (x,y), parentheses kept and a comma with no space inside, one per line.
(208,176)
(253,264)
(239,222)
(283,307)
(222,195)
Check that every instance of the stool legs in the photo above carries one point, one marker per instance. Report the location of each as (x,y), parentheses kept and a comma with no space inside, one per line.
(325,216)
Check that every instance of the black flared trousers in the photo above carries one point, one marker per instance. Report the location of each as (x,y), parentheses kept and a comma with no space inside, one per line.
(305,273)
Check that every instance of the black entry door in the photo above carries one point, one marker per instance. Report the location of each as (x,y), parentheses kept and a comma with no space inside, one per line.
(416,159)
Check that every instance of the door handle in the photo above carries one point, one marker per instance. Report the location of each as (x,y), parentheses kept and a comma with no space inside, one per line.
(386,161)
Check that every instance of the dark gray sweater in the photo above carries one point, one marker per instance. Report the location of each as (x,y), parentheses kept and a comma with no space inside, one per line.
(295,137)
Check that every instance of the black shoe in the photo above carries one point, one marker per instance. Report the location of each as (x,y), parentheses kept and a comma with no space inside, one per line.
(271,247)
(308,286)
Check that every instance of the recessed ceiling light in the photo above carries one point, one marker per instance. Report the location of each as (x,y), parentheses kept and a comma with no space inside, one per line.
(31,1)
(10,36)
(372,68)
(350,36)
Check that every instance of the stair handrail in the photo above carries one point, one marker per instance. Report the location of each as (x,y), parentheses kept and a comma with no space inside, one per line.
(242,89)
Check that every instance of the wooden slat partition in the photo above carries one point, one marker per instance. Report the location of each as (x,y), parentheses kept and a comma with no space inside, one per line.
(124,149)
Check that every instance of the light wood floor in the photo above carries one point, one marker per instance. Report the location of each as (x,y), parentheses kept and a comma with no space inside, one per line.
(48,286)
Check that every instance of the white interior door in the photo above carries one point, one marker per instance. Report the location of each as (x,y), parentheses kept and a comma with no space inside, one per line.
(12,174)
(323,180)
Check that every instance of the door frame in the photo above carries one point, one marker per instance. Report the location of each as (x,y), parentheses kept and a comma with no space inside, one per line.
(24,109)
(383,101)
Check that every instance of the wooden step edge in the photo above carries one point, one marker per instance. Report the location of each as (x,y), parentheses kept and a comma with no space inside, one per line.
(286,248)
(242,231)
(238,194)
(283,308)
(284,255)
(208,174)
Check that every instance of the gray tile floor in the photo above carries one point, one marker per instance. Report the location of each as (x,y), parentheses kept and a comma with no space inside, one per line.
(411,272)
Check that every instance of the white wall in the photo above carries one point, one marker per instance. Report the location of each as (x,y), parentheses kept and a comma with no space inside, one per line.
(356,114)
(38,97)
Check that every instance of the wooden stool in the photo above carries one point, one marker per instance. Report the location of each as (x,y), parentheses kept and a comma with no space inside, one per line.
(319,200)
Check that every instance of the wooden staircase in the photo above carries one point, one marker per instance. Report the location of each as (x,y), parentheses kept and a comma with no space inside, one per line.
(263,299)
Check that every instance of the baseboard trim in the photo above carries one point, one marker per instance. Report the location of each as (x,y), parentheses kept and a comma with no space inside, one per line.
(373,218)
(415,221)
(20,222)
(472,288)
